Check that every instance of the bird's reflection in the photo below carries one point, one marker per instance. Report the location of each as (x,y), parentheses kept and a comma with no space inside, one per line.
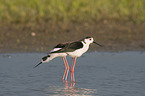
(66,84)
(69,89)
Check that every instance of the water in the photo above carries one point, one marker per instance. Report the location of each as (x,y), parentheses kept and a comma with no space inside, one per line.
(97,73)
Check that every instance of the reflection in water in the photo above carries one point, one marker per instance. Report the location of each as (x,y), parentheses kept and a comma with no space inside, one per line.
(69,89)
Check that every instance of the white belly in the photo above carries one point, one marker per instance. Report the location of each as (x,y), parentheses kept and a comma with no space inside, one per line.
(79,52)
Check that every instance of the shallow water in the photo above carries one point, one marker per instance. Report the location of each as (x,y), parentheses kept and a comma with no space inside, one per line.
(97,73)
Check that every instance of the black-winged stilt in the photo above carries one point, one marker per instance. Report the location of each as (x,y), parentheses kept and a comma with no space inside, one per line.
(76,49)
(73,49)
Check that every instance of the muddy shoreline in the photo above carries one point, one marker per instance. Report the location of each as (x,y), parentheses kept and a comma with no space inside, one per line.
(115,36)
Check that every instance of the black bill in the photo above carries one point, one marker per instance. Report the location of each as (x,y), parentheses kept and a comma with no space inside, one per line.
(98,44)
(37,65)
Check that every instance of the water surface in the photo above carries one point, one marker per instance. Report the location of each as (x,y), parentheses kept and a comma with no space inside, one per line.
(97,73)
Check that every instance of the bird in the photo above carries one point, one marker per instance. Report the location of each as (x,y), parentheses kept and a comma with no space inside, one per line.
(53,54)
(76,49)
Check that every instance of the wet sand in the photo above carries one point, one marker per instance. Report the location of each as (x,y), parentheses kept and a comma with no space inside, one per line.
(115,36)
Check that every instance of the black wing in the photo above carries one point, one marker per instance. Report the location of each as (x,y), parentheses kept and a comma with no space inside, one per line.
(60,45)
(70,47)
(75,45)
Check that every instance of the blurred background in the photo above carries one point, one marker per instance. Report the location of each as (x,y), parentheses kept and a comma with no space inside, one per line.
(38,25)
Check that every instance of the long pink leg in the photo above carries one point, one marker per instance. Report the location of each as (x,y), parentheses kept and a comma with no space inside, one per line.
(73,69)
(67,68)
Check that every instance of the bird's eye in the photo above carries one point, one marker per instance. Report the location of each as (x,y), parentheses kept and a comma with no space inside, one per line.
(90,39)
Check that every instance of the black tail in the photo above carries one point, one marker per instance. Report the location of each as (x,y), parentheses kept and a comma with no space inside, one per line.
(37,65)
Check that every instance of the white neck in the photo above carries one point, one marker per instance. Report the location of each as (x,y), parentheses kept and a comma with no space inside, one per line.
(84,43)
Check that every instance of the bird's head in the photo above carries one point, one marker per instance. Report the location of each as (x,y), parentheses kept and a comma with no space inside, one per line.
(89,40)
(45,59)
